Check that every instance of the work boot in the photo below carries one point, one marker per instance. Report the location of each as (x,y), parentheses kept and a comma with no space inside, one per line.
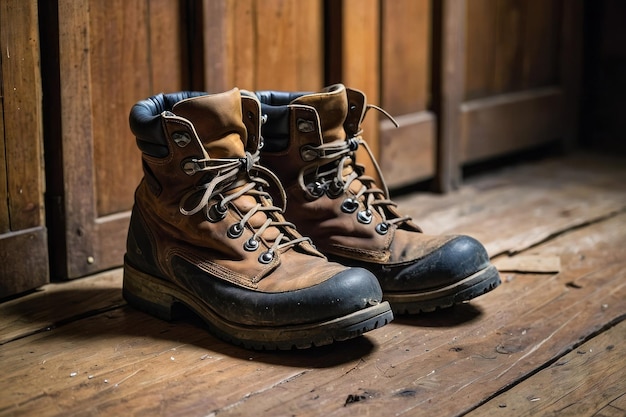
(205,234)
(313,144)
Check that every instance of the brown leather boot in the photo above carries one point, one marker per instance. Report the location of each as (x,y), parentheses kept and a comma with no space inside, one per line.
(204,233)
(313,143)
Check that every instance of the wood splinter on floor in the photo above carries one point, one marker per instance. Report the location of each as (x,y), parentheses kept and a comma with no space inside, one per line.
(537,264)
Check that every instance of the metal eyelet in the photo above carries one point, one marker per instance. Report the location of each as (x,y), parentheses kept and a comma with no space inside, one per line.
(382,228)
(251,245)
(190,166)
(364,216)
(266,257)
(335,189)
(308,153)
(216,213)
(181,139)
(305,126)
(316,189)
(235,231)
(353,144)
(349,205)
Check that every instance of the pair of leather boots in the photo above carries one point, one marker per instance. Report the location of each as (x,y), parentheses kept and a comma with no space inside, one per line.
(264,213)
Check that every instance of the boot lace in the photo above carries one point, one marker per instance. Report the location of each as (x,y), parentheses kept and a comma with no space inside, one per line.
(229,179)
(334,169)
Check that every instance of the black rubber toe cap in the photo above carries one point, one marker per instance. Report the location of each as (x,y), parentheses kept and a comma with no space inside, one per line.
(347,292)
(456,260)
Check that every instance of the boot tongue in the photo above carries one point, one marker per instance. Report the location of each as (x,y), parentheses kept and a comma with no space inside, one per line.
(332,106)
(218,122)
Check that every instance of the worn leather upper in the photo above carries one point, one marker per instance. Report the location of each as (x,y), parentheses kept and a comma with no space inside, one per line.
(193,143)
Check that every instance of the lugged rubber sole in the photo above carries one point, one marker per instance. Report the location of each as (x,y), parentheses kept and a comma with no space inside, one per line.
(471,287)
(158,297)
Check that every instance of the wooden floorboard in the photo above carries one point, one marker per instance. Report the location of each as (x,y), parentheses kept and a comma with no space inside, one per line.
(587,381)
(558,227)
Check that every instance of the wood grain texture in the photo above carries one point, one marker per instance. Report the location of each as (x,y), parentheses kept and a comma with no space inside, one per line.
(558,196)
(21,110)
(111,54)
(405,56)
(587,381)
(512,45)
(450,89)
(80,357)
(5,225)
(263,45)
(360,58)
(23,238)
(120,74)
(505,123)
(407,153)
(23,261)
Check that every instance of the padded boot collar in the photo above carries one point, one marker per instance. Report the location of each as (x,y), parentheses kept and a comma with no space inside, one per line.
(145,121)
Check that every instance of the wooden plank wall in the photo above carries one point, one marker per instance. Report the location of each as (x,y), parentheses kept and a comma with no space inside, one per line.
(521,74)
(23,237)
(466,80)
(263,45)
(407,153)
(110,55)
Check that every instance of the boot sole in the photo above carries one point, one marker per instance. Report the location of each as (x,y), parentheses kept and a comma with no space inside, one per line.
(471,287)
(158,298)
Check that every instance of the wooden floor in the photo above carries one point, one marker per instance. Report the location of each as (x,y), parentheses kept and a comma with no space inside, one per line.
(549,341)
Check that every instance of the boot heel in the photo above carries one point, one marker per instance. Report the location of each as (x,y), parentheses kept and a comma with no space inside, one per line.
(147,294)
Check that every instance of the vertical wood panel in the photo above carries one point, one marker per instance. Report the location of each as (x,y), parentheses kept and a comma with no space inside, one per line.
(309,52)
(120,74)
(508,44)
(76,140)
(289,45)
(360,67)
(523,72)
(405,49)
(4,195)
(511,45)
(541,38)
(111,54)
(23,238)
(167,37)
(407,153)
(451,79)
(480,48)
(21,97)
(263,44)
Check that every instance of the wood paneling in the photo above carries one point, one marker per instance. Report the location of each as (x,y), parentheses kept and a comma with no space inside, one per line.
(21,106)
(449,81)
(23,238)
(134,52)
(406,154)
(504,123)
(511,45)
(263,45)
(110,55)
(520,64)
(467,80)
(405,56)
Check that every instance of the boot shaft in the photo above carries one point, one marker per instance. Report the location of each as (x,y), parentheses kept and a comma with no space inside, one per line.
(202,197)
(331,195)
